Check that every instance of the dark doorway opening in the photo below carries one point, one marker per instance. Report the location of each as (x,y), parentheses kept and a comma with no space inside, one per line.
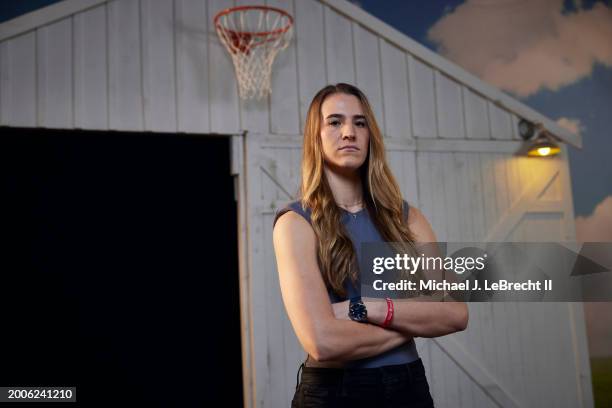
(121,274)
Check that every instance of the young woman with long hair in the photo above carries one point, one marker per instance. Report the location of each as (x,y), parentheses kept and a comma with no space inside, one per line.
(361,351)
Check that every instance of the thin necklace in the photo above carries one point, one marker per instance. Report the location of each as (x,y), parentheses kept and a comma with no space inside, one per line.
(352,205)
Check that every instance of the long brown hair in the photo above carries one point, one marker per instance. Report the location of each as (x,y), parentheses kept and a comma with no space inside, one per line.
(382,195)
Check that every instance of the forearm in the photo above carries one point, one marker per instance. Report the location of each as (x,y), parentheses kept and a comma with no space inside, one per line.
(343,340)
(421,317)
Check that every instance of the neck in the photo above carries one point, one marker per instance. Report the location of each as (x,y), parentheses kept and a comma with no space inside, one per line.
(346,187)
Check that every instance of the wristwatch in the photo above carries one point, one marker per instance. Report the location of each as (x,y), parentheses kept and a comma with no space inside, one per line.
(357,310)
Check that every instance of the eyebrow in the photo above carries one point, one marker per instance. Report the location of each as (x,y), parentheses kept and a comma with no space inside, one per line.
(341,116)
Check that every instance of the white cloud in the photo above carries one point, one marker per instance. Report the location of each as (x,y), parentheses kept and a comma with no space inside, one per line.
(573,125)
(597,227)
(523,46)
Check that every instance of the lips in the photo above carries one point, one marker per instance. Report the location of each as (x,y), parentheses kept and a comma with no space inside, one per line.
(349,148)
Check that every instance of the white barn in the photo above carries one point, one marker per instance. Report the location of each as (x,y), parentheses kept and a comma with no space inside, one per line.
(158,66)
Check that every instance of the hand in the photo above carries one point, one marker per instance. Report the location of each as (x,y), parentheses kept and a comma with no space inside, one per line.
(341,310)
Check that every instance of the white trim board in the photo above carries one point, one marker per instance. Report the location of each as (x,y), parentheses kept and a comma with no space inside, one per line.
(65,8)
(454,71)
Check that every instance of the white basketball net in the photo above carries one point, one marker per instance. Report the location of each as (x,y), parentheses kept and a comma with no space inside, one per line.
(253,36)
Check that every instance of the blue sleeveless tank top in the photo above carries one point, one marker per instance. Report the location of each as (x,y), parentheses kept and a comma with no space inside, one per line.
(360,228)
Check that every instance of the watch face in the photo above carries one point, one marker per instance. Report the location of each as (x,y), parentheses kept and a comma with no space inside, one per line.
(358,311)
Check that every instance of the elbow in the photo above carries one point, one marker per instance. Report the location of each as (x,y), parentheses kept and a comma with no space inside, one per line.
(323,352)
(321,347)
(320,353)
(461,317)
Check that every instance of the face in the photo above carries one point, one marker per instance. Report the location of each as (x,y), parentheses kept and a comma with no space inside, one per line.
(344,132)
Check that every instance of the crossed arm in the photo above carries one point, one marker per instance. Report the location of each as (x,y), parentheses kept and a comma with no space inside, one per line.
(323,329)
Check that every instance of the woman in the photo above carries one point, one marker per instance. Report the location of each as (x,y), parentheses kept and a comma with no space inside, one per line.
(360,351)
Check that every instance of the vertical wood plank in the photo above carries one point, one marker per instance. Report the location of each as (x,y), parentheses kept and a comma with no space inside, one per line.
(422,99)
(19,81)
(280,378)
(192,32)
(367,70)
(464,184)
(257,276)
(125,66)
(395,91)
(572,396)
(449,107)
(489,198)
(501,187)
(91,69)
(425,186)
(439,377)
(477,346)
(516,340)
(223,86)
(411,188)
(450,195)
(500,315)
(54,59)
(284,105)
(476,196)
(295,172)
(312,74)
(394,160)
(501,125)
(476,115)
(451,373)
(159,76)
(339,54)
(436,167)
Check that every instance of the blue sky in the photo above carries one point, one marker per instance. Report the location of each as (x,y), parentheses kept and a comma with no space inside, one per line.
(586,100)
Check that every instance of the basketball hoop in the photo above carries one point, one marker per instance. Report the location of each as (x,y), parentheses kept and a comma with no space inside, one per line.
(253,35)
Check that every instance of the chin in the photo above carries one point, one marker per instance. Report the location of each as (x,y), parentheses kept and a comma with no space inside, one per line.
(348,165)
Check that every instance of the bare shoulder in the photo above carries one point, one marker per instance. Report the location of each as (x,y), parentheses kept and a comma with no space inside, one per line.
(294,237)
(420,226)
(292,225)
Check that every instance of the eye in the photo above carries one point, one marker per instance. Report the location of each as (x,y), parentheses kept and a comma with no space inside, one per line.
(361,123)
(334,123)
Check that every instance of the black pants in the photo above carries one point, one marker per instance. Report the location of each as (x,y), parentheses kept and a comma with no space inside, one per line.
(402,385)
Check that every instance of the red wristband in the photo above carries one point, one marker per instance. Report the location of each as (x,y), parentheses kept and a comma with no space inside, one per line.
(389,313)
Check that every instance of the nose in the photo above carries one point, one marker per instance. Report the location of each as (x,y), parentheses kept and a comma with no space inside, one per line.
(348,132)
